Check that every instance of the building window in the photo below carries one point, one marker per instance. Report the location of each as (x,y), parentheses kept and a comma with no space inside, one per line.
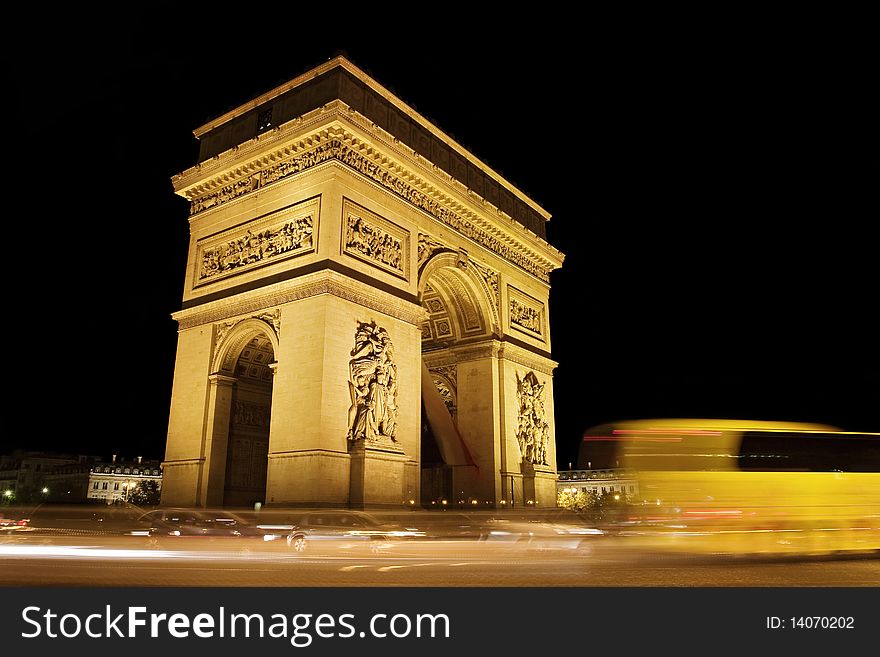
(104,487)
(264,120)
(116,486)
(95,486)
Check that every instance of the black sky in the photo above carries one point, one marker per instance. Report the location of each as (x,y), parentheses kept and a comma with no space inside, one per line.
(713,195)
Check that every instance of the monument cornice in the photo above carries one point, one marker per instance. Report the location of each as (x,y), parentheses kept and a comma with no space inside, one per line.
(347,137)
(323,282)
(527,358)
(170,462)
(391,98)
(492,348)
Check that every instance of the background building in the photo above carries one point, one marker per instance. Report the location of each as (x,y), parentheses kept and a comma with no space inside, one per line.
(114,481)
(599,482)
(33,477)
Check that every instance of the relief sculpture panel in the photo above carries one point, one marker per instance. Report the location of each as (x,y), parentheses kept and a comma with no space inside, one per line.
(526,313)
(286,233)
(372,239)
(250,415)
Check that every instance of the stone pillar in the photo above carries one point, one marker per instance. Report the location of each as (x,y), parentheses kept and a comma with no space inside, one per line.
(378,475)
(216,440)
(478,404)
(527,405)
(511,490)
(539,485)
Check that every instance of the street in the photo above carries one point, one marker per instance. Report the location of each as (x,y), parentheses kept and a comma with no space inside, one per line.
(608,562)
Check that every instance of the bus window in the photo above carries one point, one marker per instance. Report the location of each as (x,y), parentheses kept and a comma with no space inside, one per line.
(678,450)
(805,452)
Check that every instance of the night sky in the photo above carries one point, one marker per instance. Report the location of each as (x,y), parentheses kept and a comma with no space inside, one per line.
(712,195)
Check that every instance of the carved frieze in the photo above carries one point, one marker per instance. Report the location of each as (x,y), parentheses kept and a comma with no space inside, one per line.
(283,234)
(335,149)
(375,240)
(312,285)
(533,431)
(526,313)
(372,383)
(249,414)
(434,208)
(265,176)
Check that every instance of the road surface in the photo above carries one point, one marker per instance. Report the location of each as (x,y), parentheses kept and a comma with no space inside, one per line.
(607,562)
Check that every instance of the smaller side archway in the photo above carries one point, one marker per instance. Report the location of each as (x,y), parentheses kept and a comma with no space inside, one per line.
(240,407)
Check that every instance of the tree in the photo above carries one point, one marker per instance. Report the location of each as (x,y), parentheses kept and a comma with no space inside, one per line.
(145,493)
(578,501)
(608,507)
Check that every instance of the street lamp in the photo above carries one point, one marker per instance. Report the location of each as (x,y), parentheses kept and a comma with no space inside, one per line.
(45,490)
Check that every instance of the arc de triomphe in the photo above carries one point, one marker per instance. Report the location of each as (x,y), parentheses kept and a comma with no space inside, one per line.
(365,312)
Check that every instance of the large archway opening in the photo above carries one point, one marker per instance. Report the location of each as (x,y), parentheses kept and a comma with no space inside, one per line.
(248,361)
(458,312)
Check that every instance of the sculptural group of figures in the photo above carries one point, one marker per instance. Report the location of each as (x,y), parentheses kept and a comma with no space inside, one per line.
(373,385)
(525,316)
(533,432)
(373,243)
(253,248)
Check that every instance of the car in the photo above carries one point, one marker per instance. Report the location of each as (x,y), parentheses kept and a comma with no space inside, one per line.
(346,529)
(13,523)
(171,524)
(544,534)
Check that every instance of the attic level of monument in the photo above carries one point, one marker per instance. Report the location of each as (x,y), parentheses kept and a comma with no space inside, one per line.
(335,134)
(339,79)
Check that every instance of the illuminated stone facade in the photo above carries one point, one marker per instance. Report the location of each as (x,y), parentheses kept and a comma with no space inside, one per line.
(115,481)
(343,248)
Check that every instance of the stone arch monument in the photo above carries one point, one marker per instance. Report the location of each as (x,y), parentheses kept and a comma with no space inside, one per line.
(364,318)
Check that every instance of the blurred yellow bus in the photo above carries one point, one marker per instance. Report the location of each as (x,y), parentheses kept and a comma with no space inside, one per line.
(748,487)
